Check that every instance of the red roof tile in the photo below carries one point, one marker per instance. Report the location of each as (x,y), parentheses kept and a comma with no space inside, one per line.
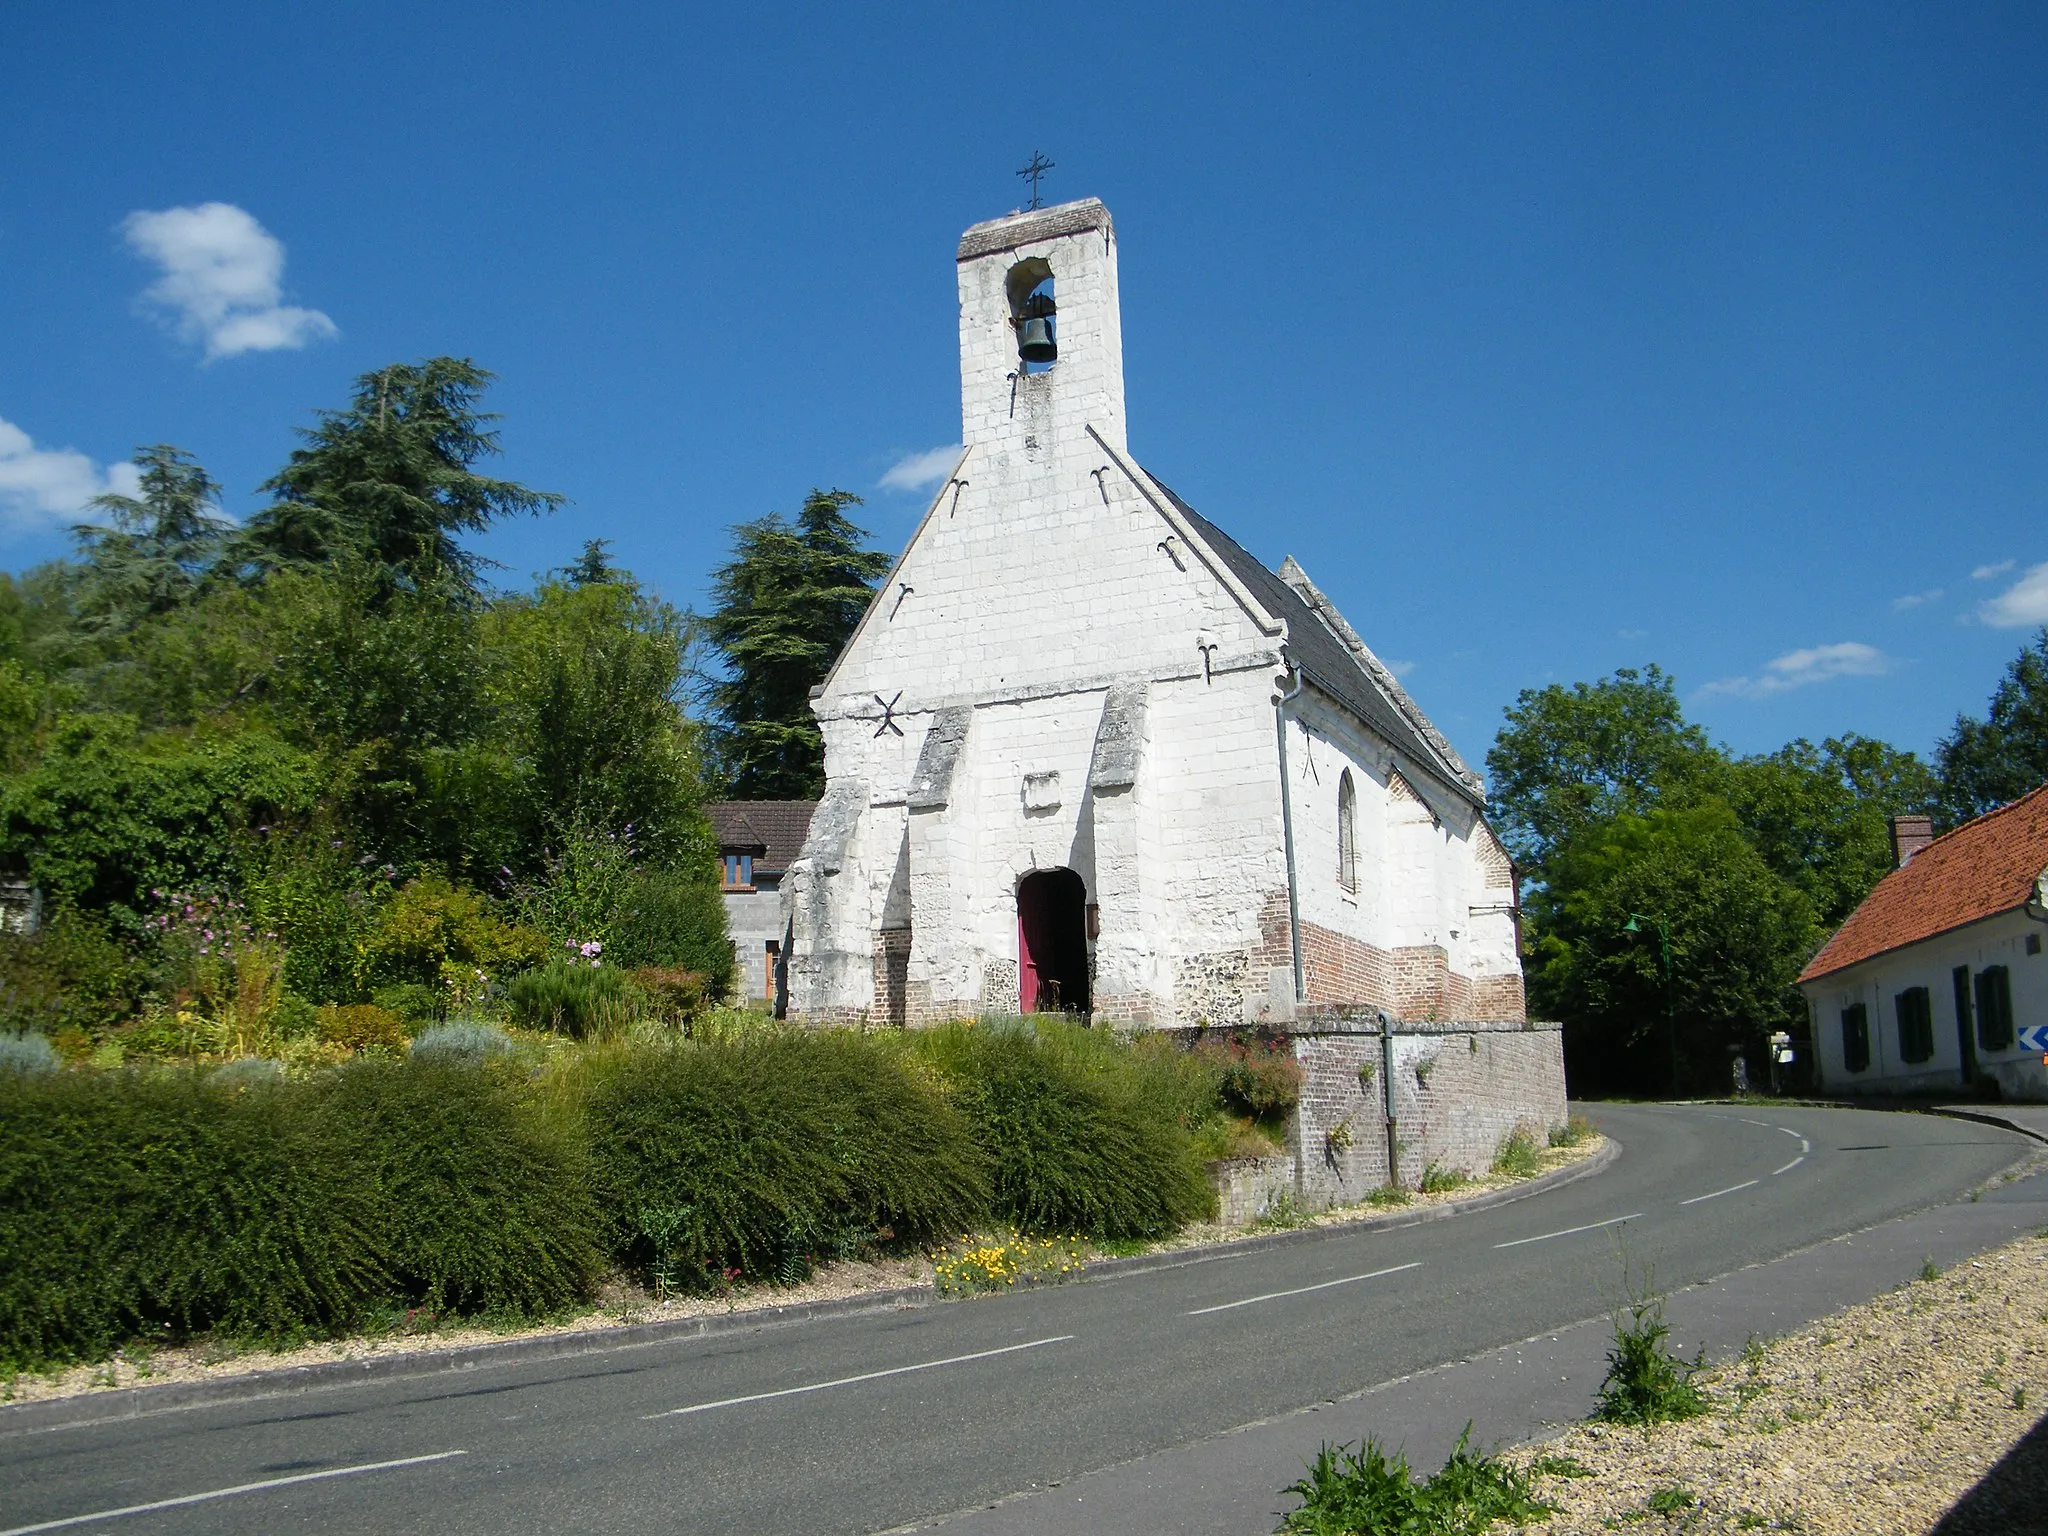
(1984,867)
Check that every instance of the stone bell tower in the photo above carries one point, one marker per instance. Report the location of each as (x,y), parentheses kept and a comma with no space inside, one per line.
(1034,284)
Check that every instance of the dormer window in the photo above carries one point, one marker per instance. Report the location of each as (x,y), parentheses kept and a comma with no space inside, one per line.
(739,872)
(1033,314)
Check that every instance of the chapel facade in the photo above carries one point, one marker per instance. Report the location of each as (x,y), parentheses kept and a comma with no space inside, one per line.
(1084,753)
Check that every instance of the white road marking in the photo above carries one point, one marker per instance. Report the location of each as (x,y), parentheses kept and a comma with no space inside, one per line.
(227,1493)
(848,1381)
(1793,1134)
(1591,1226)
(1303,1290)
(1717,1194)
(1789,1166)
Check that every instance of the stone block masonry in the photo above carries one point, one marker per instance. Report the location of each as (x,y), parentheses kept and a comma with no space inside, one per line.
(1459,1090)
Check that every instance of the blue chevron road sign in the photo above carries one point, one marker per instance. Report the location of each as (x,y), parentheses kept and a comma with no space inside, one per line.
(2035,1038)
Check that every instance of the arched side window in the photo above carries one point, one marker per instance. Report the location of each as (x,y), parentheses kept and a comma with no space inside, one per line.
(1347,833)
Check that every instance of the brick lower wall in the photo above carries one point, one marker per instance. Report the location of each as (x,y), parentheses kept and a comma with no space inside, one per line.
(1460,1090)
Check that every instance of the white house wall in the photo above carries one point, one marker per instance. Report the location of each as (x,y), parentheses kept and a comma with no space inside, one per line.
(1876,982)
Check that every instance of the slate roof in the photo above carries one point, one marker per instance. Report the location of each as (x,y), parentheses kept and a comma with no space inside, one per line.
(1334,658)
(772,830)
(1981,869)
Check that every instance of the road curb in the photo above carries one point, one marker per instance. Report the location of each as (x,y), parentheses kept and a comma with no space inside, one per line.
(136,1402)
(1230,1248)
(1986,1117)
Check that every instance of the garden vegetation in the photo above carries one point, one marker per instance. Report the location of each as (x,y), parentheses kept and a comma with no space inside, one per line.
(502,1174)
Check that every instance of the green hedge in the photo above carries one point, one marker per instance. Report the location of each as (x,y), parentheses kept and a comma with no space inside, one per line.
(759,1156)
(1084,1136)
(168,1203)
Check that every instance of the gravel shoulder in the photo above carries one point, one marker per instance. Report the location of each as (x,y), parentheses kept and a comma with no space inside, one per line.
(624,1305)
(1874,1421)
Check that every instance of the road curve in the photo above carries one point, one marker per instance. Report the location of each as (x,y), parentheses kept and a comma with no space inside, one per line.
(863,1423)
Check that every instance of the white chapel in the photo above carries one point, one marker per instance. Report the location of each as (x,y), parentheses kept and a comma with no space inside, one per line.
(1085,754)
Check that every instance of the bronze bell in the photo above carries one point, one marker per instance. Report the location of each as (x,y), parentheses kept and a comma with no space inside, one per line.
(1035,342)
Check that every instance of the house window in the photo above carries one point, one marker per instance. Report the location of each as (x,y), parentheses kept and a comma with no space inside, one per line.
(1994,1008)
(1347,833)
(1856,1038)
(739,871)
(1916,1024)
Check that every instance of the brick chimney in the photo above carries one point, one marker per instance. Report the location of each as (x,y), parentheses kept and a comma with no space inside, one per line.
(1909,835)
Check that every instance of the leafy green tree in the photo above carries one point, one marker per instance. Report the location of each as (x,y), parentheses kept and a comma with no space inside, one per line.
(1820,816)
(1737,935)
(1572,757)
(585,697)
(786,604)
(111,813)
(1987,763)
(389,481)
(159,549)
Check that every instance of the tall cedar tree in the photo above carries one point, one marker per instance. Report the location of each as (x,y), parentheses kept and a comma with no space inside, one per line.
(388,481)
(159,548)
(787,601)
(1986,763)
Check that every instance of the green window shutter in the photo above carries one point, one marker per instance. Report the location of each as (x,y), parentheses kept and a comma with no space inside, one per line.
(1994,1008)
(1856,1038)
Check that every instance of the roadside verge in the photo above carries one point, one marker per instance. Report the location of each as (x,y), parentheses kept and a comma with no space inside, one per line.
(92,1405)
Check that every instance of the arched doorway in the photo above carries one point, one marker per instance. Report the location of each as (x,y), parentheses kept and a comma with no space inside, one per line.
(1052,942)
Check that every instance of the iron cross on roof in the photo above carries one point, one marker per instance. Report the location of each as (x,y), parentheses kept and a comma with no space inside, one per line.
(1038,167)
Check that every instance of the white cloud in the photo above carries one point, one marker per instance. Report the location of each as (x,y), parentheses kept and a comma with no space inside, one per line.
(921,471)
(2025,602)
(1400,669)
(41,488)
(1800,669)
(1915,599)
(223,280)
(1986,572)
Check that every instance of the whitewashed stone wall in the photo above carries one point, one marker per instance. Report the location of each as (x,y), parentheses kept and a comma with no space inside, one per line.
(1059,672)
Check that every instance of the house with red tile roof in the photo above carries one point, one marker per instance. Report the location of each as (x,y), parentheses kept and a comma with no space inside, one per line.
(1936,983)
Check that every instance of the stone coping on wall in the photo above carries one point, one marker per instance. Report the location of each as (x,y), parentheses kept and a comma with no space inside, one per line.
(1374,1022)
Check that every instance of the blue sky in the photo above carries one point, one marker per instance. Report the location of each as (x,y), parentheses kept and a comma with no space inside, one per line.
(1551,339)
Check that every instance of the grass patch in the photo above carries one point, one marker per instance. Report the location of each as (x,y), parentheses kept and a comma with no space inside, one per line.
(1645,1382)
(1438,1179)
(1369,1493)
(1573,1132)
(1519,1156)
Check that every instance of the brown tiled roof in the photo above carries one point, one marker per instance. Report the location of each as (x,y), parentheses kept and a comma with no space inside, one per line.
(772,830)
(1984,867)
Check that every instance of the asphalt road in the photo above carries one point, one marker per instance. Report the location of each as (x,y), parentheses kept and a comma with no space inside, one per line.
(862,1423)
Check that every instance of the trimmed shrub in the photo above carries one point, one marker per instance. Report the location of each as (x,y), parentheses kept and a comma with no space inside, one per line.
(675,919)
(462,1040)
(481,1207)
(1077,1131)
(27,1055)
(760,1156)
(570,998)
(361,1026)
(675,997)
(171,1204)
(163,1203)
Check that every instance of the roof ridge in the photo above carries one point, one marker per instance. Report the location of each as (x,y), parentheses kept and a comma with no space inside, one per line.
(1292,572)
(1976,821)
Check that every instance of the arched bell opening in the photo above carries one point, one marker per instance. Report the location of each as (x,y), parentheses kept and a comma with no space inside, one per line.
(1033,314)
(1052,943)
